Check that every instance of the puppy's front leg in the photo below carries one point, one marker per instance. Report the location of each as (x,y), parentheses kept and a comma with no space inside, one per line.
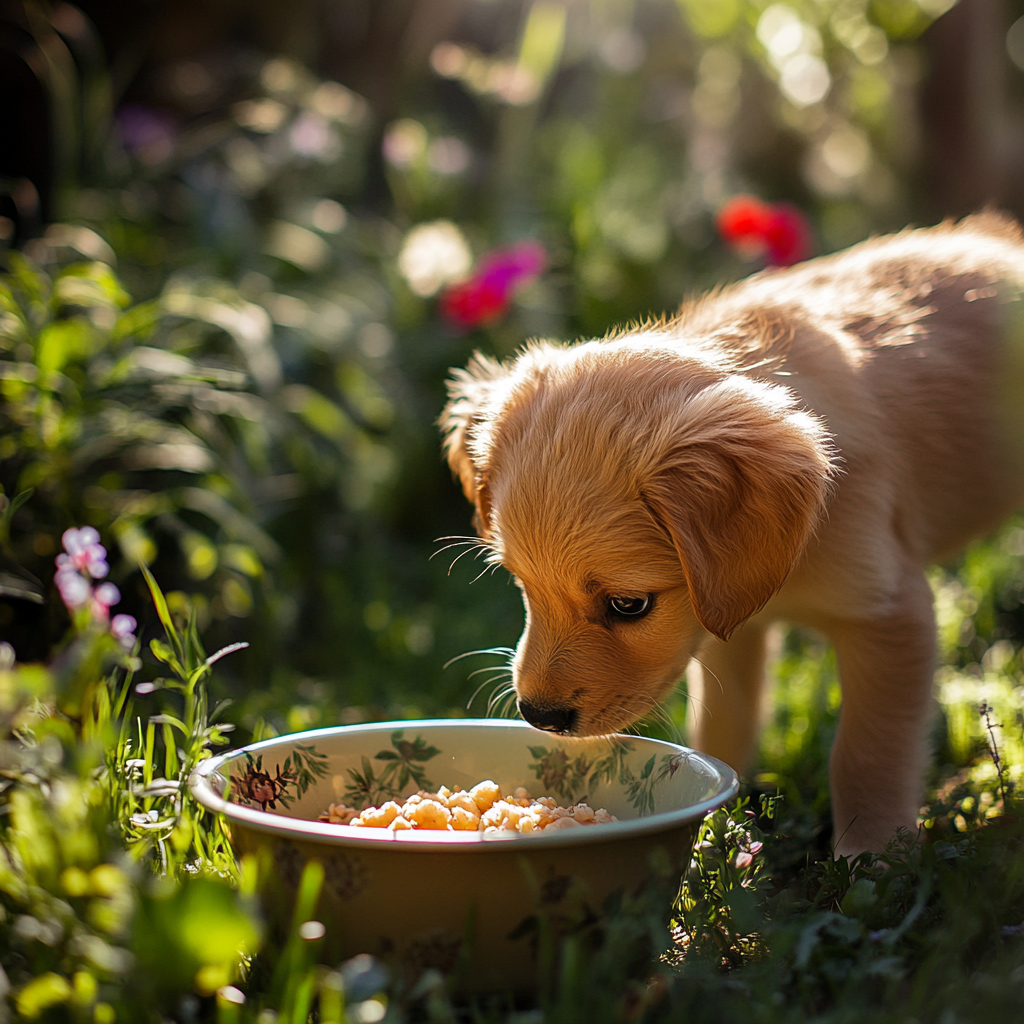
(881,747)
(726,684)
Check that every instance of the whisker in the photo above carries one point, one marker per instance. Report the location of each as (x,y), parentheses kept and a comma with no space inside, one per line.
(508,651)
(497,706)
(476,554)
(710,672)
(500,669)
(475,544)
(454,544)
(491,568)
(487,682)
(473,540)
(696,700)
(498,694)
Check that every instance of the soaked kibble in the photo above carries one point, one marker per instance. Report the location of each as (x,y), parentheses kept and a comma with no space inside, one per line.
(481,809)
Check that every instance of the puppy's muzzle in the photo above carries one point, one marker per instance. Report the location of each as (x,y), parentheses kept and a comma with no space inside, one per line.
(549,717)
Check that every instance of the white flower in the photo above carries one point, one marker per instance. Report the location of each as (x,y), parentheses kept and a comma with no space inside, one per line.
(432,255)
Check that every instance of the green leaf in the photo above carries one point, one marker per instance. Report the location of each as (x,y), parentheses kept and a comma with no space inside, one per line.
(163,653)
(62,342)
(32,281)
(41,993)
(15,503)
(138,322)
(169,720)
(742,904)
(163,613)
(318,412)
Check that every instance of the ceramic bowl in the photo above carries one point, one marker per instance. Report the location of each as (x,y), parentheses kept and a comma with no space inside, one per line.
(428,899)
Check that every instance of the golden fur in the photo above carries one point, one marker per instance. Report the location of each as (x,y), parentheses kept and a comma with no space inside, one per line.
(798,446)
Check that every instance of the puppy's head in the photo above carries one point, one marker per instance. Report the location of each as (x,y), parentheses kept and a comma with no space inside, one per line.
(640,498)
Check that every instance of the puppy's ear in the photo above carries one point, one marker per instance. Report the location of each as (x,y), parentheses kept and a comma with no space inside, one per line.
(740,487)
(468,393)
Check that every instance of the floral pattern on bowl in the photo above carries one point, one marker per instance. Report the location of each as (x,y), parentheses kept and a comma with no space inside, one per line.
(405,894)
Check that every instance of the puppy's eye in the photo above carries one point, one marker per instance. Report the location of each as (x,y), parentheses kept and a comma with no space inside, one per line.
(630,607)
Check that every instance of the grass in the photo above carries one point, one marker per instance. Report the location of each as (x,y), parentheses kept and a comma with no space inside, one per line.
(122,901)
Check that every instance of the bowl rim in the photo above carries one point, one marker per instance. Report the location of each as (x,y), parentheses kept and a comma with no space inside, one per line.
(201,784)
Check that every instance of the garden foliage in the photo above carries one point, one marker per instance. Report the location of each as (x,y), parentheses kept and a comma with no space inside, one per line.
(220,366)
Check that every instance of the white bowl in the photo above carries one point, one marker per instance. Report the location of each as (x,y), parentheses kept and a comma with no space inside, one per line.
(428,899)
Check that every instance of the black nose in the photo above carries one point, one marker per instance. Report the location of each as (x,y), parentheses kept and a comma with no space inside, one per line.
(549,717)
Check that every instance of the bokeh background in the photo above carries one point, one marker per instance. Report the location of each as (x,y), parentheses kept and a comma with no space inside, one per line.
(264,212)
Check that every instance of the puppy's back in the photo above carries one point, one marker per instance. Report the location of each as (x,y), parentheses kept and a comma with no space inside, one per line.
(912,348)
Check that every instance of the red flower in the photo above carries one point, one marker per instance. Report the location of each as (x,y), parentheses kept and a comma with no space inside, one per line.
(787,236)
(486,296)
(778,231)
(473,302)
(743,220)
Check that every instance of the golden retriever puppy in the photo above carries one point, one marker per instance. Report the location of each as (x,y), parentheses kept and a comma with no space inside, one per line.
(799,447)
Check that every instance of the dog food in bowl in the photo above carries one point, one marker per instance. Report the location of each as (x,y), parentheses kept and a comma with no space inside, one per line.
(481,808)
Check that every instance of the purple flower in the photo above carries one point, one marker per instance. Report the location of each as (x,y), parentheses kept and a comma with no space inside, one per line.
(107,595)
(147,134)
(509,268)
(74,588)
(84,552)
(84,560)
(104,596)
(123,628)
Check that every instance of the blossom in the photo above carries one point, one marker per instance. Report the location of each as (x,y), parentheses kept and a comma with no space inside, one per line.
(473,302)
(103,598)
(488,293)
(778,231)
(84,552)
(434,254)
(742,222)
(787,236)
(83,560)
(74,588)
(745,856)
(150,135)
(313,136)
(123,627)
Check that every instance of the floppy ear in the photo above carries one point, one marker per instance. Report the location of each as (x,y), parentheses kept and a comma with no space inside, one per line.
(468,393)
(740,488)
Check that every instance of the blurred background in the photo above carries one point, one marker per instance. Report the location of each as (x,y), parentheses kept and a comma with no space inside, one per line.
(247,239)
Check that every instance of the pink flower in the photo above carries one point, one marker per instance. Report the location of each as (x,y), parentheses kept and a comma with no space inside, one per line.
(84,552)
(104,597)
(83,560)
(74,588)
(513,266)
(123,627)
(487,294)
(778,231)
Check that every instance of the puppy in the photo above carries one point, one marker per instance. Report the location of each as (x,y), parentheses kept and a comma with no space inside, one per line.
(798,446)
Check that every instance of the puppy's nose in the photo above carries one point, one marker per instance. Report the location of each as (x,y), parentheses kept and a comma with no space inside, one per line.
(549,717)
